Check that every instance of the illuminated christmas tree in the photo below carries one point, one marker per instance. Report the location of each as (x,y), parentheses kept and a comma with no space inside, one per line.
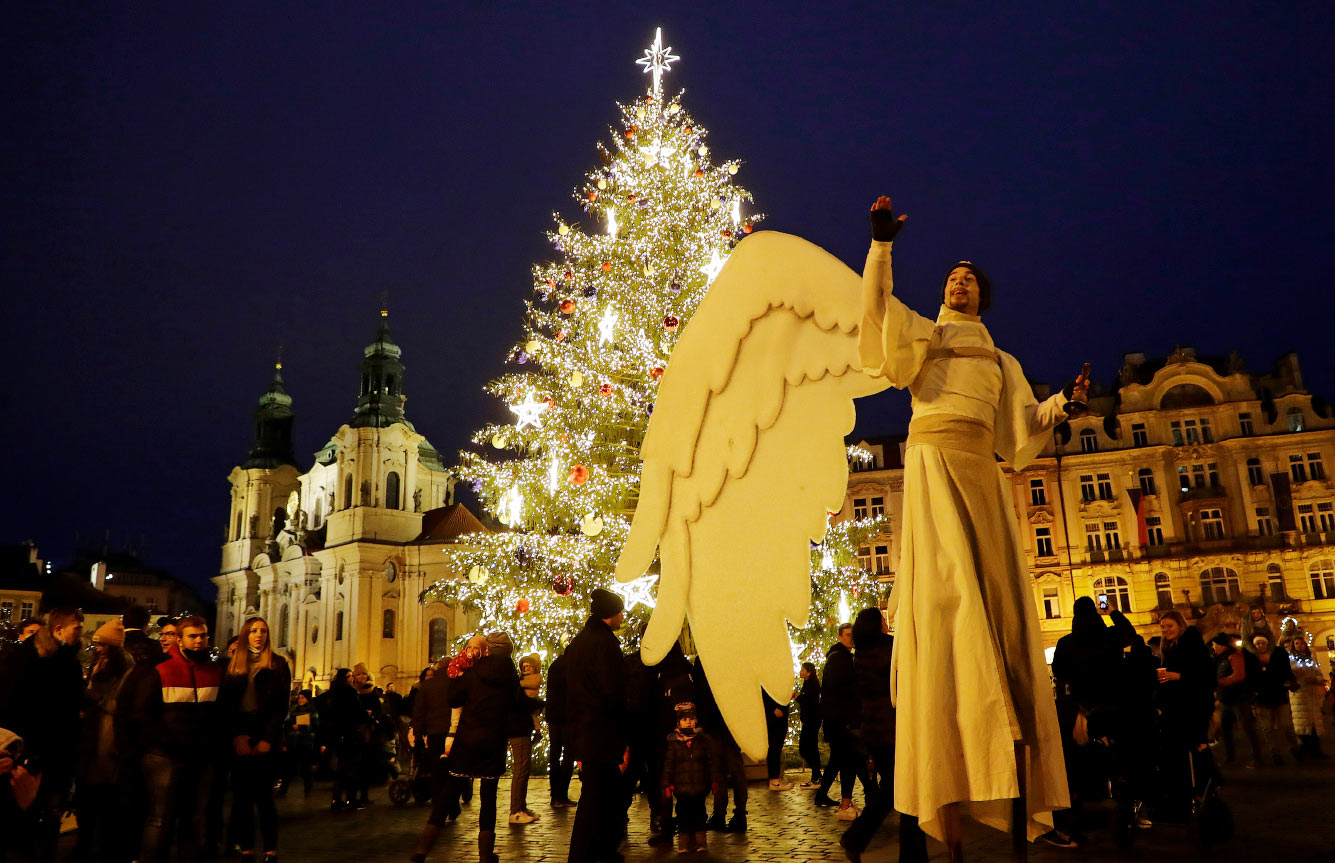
(660,220)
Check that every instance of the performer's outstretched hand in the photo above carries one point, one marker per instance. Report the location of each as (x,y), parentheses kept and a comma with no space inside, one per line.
(884,225)
(1080,389)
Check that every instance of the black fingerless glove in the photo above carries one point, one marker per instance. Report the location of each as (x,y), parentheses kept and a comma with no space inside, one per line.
(884,225)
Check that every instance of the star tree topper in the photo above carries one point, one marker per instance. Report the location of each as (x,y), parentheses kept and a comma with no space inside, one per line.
(657,60)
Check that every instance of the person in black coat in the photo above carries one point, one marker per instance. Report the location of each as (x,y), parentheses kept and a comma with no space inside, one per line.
(808,713)
(874,726)
(596,706)
(560,765)
(839,707)
(253,702)
(1186,702)
(432,715)
(348,730)
(487,694)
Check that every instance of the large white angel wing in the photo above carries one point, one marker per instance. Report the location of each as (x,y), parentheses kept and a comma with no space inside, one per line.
(743,458)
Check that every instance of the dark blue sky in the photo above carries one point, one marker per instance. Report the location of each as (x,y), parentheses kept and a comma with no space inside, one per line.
(190,185)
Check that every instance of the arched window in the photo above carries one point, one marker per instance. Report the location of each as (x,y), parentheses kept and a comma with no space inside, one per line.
(1163,589)
(1113,593)
(1219,584)
(236,532)
(438,637)
(1089,441)
(283,623)
(347,491)
(1322,573)
(392,490)
(389,384)
(1296,421)
(338,626)
(1146,477)
(318,515)
(1274,577)
(279,521)
(387,627)
(1255,476)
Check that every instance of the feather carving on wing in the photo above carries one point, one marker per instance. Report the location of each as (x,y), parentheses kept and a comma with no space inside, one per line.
(743,459)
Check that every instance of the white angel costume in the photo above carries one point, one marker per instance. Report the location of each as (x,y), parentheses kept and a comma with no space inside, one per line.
(744,459)
(968,675)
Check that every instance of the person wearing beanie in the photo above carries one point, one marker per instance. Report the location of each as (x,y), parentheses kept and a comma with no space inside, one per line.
(971,404)
(111,634)
(596,708)
(692,769)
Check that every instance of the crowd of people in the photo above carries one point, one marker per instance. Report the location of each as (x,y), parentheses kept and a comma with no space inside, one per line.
(145,743)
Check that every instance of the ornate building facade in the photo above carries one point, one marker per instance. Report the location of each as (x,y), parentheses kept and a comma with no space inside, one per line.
(335,558)
(1192,485)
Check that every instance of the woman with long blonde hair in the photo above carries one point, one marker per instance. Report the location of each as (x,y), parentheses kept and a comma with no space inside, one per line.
(254,702)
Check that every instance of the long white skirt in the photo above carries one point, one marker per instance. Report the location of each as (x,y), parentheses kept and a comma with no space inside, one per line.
(968,671)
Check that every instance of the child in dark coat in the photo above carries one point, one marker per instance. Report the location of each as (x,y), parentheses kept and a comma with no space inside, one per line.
(692,769)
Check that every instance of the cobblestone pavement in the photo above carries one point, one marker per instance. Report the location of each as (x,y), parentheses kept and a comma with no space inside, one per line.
(1286,811)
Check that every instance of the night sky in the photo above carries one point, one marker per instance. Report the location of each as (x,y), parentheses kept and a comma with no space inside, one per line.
(187,187)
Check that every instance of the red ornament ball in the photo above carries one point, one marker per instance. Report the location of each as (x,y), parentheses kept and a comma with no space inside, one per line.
(670,323)
(727,235)
(605,390)
(656,373)
(747,228)
(578,474)
(548,402)
(699,173)
(632,198)
(563,585)
(607,265)
(567,307)
(550,283)
(560,335)
(522,606)
(568,275)
(593,195)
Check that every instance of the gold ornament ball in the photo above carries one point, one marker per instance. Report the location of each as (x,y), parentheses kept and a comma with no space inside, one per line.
(532,346)
(576,379)
(563,229)
(602,184)
(591,525)
(732,169)
(703,151)
(498,440)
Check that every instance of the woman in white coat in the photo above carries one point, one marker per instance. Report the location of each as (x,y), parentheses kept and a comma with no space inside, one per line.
(1306,700)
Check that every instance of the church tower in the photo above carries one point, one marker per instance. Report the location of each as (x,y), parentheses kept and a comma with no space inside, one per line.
(264,482)
(380,402)
(273,427)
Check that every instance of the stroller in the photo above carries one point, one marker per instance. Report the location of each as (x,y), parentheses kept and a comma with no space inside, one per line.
(416,786)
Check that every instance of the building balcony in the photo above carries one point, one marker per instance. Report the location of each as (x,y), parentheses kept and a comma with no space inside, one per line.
(1205,494)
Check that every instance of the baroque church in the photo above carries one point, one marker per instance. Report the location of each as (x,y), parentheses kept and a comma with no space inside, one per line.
(335,558)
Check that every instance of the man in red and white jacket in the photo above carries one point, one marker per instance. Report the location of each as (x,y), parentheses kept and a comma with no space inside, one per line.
(177,723)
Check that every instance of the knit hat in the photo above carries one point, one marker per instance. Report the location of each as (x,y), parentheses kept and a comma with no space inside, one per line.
(984,284)
(112,632)
(1225,640)
(685,709)
(606,604)
(498,644)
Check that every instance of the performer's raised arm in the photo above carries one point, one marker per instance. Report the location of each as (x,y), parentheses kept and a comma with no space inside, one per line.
(892,342)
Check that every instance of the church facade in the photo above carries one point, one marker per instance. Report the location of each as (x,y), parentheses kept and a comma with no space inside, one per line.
(335,557)
(1193,485)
